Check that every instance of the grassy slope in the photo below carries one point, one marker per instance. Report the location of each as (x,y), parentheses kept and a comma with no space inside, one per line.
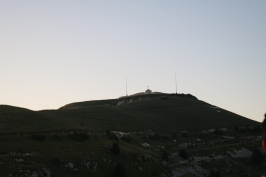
(151,112)
(20,120)
(173,114)
(66,151)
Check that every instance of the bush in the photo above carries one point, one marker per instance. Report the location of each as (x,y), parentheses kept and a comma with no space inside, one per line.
(218,132)
(115,149)
(174,135)
(56,137)
(215,174)
(38,137)
(126,138)
(156,136)
(165,137)
(119,171)
(184,134)
(257,157)
(183,153)
(165,155)
(112,136)
(108,132)
(56,162)
(257,129)
(79,136)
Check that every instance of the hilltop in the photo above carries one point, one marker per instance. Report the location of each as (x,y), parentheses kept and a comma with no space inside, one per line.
(158,112)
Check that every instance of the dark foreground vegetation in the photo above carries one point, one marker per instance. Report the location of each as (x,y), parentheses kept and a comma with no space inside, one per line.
(154,135)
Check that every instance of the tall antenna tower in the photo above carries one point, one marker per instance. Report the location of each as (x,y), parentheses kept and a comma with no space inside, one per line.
(175,85)
(126,85)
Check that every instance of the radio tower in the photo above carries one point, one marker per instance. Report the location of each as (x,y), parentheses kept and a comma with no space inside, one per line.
(126,85)
(175,85)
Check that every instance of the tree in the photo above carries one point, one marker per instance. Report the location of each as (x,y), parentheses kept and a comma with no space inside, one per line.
(119,170)
(115,149)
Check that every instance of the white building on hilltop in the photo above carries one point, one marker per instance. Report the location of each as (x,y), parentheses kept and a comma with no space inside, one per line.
(148,91)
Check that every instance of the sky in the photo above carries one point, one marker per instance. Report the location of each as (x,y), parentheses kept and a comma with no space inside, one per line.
(57,52)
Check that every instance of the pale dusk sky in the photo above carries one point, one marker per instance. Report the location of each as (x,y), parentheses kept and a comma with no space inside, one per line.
(56,52)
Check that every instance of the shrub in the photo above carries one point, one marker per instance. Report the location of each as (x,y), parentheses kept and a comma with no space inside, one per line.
(126,138)
(56,137)
(257,157)
(155,136)
(165,137)
(119,170)
(183,153)
(38,137)
(215,174)
(184,134)
(257,129)
(218,132)
(165,155)
(115,149)
(174,135)
(108,132)
(112,136)
(56,162)
(243,130)
(79,136)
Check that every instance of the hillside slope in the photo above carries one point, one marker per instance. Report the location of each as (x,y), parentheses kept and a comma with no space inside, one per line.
(20,120)
(168,113)
(157,112)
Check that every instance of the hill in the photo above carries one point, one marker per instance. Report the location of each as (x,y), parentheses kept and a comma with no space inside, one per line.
(74,141)
(161,112)
(21,120)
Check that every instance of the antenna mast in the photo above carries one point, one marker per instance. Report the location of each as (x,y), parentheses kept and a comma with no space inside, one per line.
(126,85)
(175,85)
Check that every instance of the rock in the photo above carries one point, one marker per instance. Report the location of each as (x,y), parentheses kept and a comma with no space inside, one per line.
(145,145)
(19,160)
(70,165)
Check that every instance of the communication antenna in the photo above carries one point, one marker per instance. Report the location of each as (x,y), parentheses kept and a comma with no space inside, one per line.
(126,85)
(175,85)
